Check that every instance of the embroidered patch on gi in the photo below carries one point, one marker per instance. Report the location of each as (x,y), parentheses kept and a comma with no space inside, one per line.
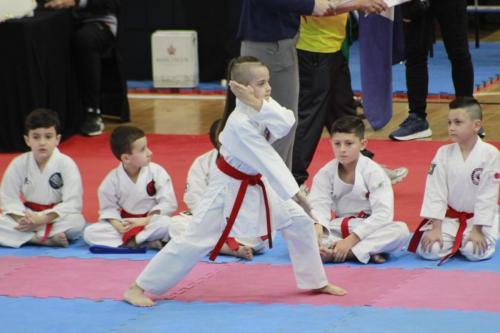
(431,169)
(151,188)
(476,175)
(56,181)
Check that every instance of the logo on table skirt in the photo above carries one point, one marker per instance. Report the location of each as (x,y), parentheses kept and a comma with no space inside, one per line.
(151,188)
(476,175)
(171,50)
(56,181)
(431,168)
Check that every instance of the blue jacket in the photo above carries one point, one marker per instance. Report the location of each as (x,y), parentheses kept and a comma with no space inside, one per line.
(272,20)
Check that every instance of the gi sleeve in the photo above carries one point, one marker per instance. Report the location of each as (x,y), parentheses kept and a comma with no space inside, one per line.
(165,195)
(381,199)
(197,181)
(435,201)
(10,190)
(487,194)
(108,194)
(321,196)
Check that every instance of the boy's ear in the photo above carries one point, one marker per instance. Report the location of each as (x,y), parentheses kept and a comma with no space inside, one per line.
(477,124)
(125,158)
(58,138)
(364,144)
(26,140)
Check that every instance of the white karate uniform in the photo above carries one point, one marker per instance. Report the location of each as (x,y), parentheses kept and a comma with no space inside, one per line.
(197,183)
(371,193)
(59,183)
(118,192)
(466,186)
(244,146)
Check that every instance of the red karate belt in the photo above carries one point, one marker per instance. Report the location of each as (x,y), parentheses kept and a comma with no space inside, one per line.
(344,225)
(451,213)
(246,180)
(36,207)
(135,230)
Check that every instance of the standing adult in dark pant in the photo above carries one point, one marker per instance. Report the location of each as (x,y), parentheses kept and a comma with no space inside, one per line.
(95,34)
(418,18)
(325,86)
(268,31)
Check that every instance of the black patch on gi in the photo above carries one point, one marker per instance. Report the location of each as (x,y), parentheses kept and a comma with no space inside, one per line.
(476,175)
(56,181)
(150,188)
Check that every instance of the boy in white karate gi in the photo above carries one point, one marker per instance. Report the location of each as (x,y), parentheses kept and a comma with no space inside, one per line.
(252,183)
(359,192)
(461,193)
(136,199)
(197,183)
(41,191)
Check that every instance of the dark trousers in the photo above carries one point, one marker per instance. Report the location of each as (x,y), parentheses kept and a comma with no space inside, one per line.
(90,42)
(452,18)
(325,95)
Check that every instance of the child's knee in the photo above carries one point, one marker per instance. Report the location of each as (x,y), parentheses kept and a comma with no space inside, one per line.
(468,252)
(435,253)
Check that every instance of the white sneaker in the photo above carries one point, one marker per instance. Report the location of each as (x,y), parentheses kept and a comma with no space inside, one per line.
(396,175)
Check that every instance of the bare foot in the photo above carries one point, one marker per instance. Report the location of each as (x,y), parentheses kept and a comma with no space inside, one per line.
(56,240)
(155,245)
(132,244)
(331,289)
(243,251)
(135,296)
(377,258)
(326,255)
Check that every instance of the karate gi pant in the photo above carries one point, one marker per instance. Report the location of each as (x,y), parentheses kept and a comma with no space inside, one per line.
(390,238)
(72,226)
(449,229)
(103,233)
(181,254)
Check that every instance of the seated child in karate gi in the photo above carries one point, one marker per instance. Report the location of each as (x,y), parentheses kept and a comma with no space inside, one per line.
(251,183)
(135,199)
(359,192)
(197,183)
(461,193)
(41,191)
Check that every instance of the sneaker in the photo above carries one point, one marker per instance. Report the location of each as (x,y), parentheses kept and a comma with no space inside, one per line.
(481,133)
(412,128)
(93,125)
(396,175)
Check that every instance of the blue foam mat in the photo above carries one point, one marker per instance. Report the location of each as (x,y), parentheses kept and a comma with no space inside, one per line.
(80,249)
(486,62)
(28,314)
(278,255)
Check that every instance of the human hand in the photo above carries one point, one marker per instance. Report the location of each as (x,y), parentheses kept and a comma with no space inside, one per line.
(478,240)
(303,202)
(26,225)
(137,222)
(323,8)
(60,4)
(318,228)
(340,250)
(433,236)
(245,94)
(372,6)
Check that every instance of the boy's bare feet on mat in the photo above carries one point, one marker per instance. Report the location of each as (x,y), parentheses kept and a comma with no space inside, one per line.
(377,258)
(331,289)
(59,240)
(243,251)
(155,245)
(135,296)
